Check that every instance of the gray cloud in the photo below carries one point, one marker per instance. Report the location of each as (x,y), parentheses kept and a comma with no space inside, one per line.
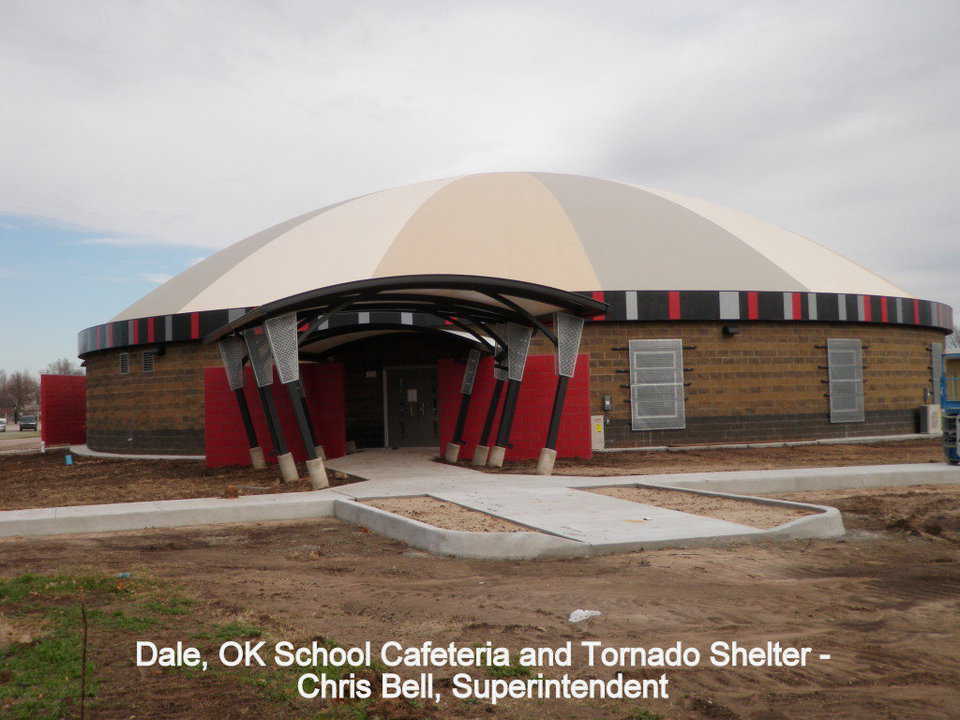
(201,123)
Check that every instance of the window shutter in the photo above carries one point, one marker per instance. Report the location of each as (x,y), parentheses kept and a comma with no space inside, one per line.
(845,362)
(656,385)
(936,363)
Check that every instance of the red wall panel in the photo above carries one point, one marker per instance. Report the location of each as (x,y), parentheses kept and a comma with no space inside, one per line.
(226,440)
(533,408)
(63,409)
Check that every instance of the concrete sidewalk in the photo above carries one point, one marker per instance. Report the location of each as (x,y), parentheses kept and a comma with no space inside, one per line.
(563,520)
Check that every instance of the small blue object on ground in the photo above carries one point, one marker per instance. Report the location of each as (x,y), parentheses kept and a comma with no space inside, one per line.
(68,459)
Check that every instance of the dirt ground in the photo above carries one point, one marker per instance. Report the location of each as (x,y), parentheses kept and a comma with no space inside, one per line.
(708,459)
(441,513)
(738,511)
(43,480)
(883,601)
(37,480)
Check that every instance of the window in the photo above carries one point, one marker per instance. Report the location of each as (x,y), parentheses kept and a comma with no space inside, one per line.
(845,368)
(951,379)
(149,361)
(656,385)
(124,363)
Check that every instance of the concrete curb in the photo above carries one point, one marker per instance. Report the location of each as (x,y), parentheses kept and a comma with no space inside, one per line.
(84,451)
(164,514)
(456,543)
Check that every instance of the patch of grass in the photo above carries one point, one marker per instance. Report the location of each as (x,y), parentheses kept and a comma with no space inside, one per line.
(230,631)
(25,588)
(643,715)
(509,671)
(170,605)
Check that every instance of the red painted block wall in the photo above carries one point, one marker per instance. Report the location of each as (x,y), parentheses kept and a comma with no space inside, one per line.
(533,408)
(226,440)
(63,409)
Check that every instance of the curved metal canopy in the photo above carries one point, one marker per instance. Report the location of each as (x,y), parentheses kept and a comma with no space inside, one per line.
(469,301)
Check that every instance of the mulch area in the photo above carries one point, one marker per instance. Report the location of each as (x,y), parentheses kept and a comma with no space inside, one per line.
(44,480)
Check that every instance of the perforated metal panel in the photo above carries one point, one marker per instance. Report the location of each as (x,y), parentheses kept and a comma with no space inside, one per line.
(499,373)
(282,335)
(656,385)
(569,328)
(936,364)
(845,363)
(261,359)
(470,372)
(518,344)
(232,352)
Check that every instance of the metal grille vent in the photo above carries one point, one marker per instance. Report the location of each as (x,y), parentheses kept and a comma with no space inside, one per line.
(124,363)
(845,363)
(936,363)
(149,361)
(569,328)
(656,385)
(518,344)
(282,334)
(470,372)
(232,352)
(261,360)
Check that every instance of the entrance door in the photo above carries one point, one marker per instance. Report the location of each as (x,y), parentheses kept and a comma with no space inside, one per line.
(411,407)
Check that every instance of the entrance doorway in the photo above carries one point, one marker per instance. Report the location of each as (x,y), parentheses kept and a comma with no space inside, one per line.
(410,409)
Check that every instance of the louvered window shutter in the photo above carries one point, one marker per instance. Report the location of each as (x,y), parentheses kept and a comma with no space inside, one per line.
(656,385)
(936,363)
(845,362)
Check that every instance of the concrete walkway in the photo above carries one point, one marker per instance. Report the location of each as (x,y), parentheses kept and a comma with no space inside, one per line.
(564,520)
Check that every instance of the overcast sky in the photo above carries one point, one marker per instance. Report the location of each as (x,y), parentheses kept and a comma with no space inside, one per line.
(138,137)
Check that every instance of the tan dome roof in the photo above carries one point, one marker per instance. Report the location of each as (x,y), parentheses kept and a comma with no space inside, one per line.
(565,231)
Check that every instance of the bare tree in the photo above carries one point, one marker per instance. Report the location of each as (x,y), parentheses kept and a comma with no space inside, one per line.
(63,366)
(24,391)
(952,341)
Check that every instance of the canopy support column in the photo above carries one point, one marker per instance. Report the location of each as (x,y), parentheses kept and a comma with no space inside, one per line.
(483,449)
(452,453)
(518,345)
(282,336)
(569,331)
(261,359)
(232,353)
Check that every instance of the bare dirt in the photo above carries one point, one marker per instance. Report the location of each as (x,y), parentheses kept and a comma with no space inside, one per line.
(443,514)
(743,512)
(883,602)
(641,462)
(44,480)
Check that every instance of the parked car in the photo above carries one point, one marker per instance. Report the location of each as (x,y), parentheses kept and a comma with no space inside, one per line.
(28,422)
(3,424)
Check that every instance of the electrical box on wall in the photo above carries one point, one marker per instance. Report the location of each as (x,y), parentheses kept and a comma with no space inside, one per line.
(596,432)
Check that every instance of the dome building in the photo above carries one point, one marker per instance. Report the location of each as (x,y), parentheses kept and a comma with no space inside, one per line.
(700,324)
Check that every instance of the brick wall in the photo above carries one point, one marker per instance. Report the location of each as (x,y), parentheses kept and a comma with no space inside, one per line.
(764,383)
(63,409)
(533,408)
(159,412)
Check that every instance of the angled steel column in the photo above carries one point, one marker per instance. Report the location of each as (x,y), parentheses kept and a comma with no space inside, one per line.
(483,449)
(232,353)
(518,345)
(258,348)
(466,391)
(569,330)
(282,337)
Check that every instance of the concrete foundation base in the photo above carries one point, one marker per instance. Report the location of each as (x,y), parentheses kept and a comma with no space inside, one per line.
(480,455)
(452,453)
(495,458)
(321,453)
(546,460)
(256,458)
(288,468)
(318,473)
